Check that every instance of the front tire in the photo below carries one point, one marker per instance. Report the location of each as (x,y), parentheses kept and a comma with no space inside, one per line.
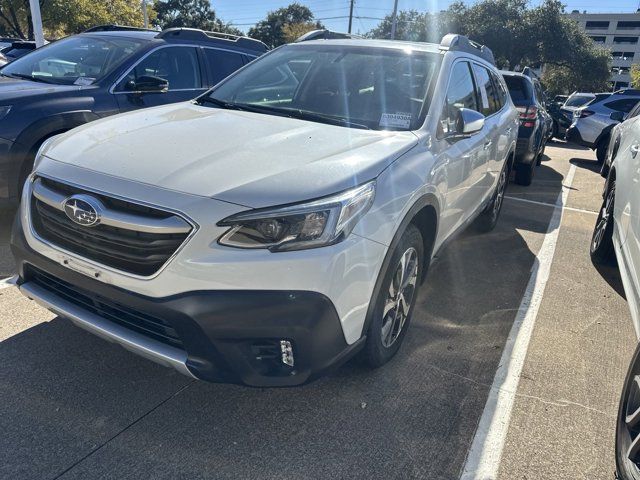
(601,249)
(628,423)
(395,300)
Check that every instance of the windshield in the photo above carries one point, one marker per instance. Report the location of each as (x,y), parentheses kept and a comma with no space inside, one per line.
(578,100)
(373,88)
(67,60)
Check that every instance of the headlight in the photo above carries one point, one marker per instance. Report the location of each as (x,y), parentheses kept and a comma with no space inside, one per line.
(308,225)
(4,111)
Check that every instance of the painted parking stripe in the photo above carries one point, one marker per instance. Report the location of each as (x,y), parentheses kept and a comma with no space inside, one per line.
(483,459)
(7,282)
(552,205)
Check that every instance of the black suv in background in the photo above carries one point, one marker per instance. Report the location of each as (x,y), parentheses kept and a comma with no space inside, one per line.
(104,71)
(535,123)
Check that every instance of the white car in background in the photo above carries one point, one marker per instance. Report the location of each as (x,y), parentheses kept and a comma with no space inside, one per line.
(617,233)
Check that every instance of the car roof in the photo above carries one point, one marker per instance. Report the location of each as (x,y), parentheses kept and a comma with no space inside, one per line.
(392,44)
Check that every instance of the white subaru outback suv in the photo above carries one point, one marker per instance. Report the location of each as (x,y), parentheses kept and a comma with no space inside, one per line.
(274,227)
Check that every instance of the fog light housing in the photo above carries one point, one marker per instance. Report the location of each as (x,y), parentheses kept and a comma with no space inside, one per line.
(287,352)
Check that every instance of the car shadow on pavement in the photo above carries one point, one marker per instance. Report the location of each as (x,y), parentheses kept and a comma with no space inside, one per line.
(73,400)
(588,164)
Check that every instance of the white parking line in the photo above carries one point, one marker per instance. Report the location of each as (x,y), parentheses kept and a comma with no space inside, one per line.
(552,205)
(7,282)
(485,453)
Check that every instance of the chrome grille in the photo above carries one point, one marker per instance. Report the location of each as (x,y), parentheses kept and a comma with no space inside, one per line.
(133,238)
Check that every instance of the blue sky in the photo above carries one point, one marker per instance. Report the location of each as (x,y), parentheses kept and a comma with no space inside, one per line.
(245,13)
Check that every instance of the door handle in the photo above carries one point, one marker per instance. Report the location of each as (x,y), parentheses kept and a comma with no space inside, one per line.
(635,149)
(488,144)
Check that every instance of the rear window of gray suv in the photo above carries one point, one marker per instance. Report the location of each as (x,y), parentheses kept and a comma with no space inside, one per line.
(378,89)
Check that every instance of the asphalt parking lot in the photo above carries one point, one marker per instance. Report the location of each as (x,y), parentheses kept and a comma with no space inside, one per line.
(76,407)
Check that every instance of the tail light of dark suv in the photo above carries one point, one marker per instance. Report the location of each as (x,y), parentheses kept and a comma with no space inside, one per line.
(528,115)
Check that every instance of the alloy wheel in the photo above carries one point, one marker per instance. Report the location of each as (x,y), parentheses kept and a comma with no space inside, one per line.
(400,296)
(502,187)
(631,434)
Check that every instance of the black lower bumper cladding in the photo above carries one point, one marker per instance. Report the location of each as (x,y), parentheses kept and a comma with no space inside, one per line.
(228,336)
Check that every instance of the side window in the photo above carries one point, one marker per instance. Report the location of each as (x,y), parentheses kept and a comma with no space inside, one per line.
(222,63)
(623,105)
(486,93)
(501,90)
(460,94)
(539,94)
(178,65)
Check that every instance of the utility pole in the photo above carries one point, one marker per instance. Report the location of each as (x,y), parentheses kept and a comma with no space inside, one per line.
(394,20)
(351,15)
(36,19)
(145,13)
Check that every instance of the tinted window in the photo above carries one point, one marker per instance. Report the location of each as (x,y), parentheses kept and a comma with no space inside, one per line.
(460,94)
(578,100)
(501,91)
(222,63)
(519,88)
(178,65)
(486,91)
(624,105)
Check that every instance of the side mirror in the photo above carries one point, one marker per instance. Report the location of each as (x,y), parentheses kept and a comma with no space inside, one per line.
(148,84)
(469,122)
(617,116)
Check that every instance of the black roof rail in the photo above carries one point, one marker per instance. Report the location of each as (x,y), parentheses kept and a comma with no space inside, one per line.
(323,34)
(453,42)
(117,28)
(215,37)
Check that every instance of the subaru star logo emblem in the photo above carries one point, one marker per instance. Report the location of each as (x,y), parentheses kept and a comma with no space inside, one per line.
(83,210)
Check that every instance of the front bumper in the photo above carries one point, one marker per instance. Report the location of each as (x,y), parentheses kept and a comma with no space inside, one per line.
(228,336)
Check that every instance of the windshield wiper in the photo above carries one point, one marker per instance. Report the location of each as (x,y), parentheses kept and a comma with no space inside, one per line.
(26,76)
(284,112)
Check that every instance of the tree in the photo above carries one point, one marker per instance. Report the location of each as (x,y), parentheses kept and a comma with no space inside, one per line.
(635,75)
(190,14)
(280,25)
(518,36)
(64,17)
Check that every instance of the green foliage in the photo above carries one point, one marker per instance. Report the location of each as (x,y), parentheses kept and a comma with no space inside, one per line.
(635,75)
(65,17)
(518,36)
(190,14)
(272,30)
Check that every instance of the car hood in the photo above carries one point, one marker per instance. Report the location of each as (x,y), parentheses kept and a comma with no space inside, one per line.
(245,158)
(18,89)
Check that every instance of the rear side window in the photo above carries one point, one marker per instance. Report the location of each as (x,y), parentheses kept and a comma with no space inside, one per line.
(623,105)
(222,63)
(486,91)
(519,88)
(501,91)
(460,94)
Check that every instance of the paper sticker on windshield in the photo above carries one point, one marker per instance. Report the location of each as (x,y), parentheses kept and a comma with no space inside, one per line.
(84,81)
(395,120)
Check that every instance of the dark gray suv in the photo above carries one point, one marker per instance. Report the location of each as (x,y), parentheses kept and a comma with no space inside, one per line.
(103,71)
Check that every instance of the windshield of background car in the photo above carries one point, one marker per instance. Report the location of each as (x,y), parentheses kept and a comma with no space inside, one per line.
(65,61)
(578,100)
(362,87)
